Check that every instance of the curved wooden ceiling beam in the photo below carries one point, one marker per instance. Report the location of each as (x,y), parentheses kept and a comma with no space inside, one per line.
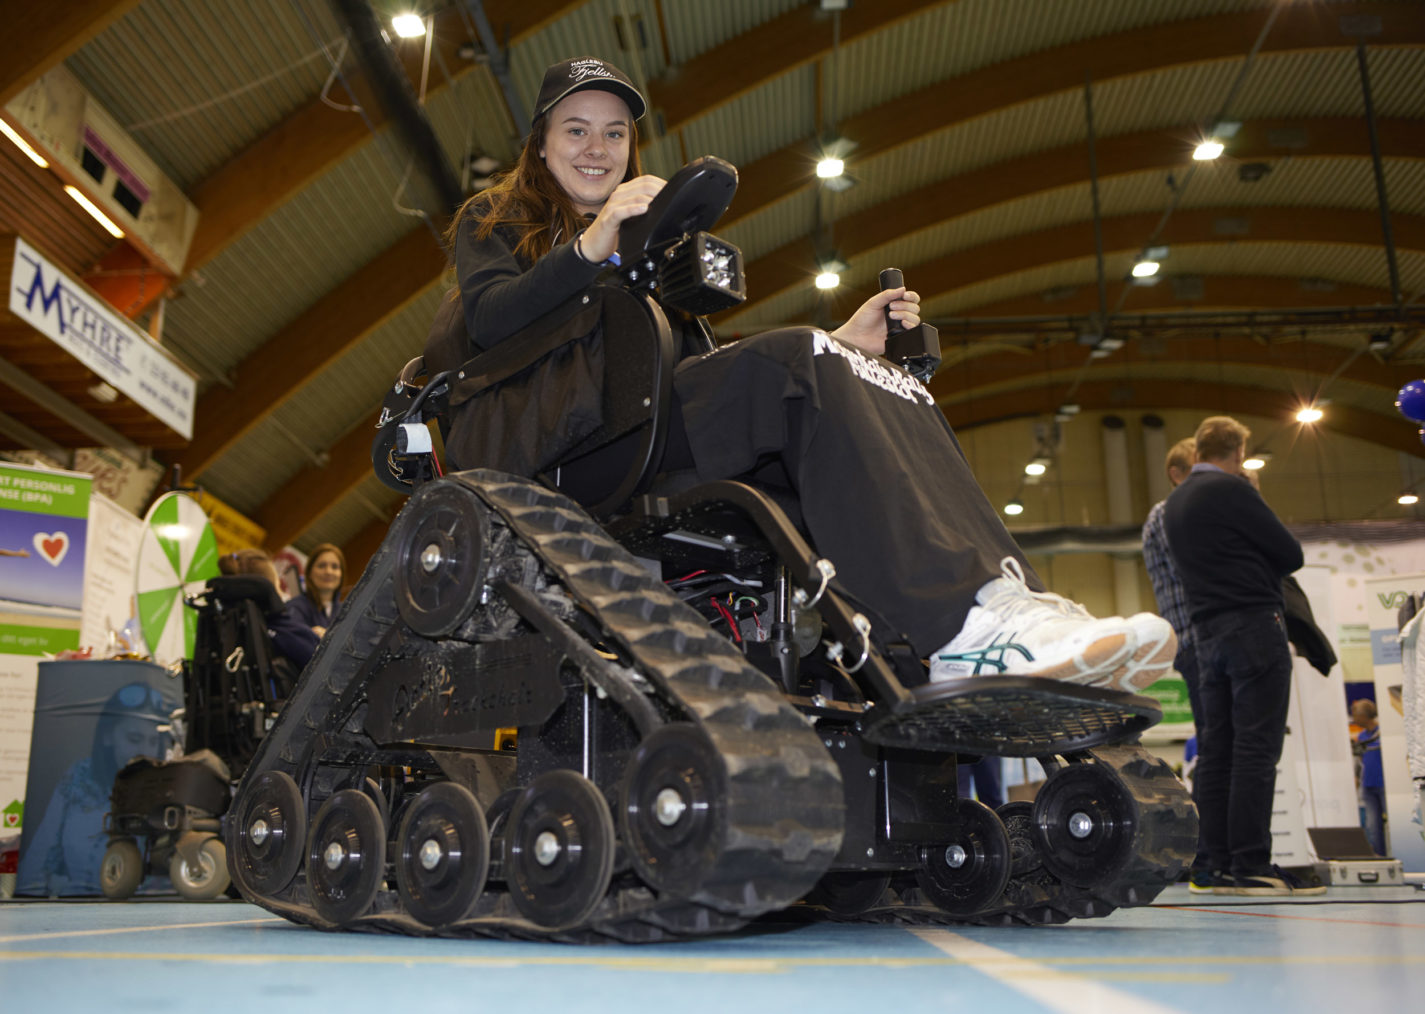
(1394,433)
(1218,292)
(39,36)
(1312,359)
(1127,233)
(295,507)
(331,326)
(771,49)
(273,168)
(1038,75)
(1166,149)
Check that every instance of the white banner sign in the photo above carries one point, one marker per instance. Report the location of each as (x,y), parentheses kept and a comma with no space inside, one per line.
(109,566)
(64,311)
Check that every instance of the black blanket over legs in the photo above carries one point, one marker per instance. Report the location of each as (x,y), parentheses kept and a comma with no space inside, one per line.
(885,490)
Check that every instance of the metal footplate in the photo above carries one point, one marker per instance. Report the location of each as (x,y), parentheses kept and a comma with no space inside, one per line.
(1012,716)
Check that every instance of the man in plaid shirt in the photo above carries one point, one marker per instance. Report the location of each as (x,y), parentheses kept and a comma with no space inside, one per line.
(1172,598)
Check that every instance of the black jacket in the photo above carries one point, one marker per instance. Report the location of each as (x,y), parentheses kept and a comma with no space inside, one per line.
(1231,550)
(1301,629)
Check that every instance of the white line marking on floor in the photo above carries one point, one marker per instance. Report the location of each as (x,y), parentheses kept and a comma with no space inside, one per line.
(26,937)
(1056,990)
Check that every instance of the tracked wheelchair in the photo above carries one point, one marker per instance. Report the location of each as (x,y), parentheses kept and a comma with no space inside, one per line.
(575,698)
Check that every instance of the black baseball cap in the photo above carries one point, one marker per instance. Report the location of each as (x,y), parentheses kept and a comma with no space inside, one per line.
(584,72)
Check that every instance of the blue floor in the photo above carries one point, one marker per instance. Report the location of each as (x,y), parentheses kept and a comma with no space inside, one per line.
(1364,949)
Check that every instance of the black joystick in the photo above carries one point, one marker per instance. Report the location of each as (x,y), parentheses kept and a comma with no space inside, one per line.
(916,349)
(891,278)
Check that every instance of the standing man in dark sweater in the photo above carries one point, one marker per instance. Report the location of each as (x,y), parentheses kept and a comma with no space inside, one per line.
(1232,553)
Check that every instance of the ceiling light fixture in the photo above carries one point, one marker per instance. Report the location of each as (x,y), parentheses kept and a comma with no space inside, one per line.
(1014,507)
(409,26)
(829,168)
(1207,150)
(1035,468)
(1406,499)
(93,209)
(829,270)
(1145,269)
(1309,414)
(1253,463)
(23,145)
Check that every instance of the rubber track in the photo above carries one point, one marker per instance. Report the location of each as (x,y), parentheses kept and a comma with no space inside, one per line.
(1164,847)
(784,806)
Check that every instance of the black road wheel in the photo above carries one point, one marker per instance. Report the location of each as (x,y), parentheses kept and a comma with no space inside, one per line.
(443,854)
(346,856)
(441,557)
(559,849)
(1018,820)
(849,893)
(121,869)
(268,834)
(968,873)
(672,812)
(1085,822)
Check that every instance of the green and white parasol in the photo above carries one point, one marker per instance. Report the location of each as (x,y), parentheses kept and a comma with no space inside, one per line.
(176,557)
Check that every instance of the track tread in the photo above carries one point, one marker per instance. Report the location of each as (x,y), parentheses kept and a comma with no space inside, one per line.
(774,850)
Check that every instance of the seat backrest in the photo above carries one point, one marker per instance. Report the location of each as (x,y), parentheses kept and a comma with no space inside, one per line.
(234,666)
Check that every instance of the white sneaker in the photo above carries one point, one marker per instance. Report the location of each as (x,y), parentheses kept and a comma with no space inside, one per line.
(1014,631)
(1156,652)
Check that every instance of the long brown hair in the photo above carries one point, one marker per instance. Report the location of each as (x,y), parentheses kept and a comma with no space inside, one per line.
(529,200)
(308,589)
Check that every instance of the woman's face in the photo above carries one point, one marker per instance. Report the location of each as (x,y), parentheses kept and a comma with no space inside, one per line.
(586,146)
(326,573)
(134,737)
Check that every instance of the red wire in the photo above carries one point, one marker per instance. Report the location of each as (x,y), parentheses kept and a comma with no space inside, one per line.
(687,577)
(732,623)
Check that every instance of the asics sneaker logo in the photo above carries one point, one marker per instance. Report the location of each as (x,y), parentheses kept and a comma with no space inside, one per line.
(992,654)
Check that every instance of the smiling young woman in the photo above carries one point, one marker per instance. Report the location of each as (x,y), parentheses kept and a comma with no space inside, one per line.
(883,488)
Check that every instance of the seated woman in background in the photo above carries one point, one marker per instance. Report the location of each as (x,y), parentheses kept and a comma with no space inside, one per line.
(320,600)
(293,639)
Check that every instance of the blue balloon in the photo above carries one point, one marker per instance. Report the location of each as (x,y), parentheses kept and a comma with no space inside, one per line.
(1411,400)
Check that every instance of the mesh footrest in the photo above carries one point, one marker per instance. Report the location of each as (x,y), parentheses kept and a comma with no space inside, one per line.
(1012,716)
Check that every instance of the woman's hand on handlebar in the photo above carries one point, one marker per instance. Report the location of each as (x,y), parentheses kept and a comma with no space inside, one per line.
(866,328)
(629,200)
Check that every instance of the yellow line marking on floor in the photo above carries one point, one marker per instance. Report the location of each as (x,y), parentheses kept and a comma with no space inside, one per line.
(24,938)
(1056,990)
(983,958)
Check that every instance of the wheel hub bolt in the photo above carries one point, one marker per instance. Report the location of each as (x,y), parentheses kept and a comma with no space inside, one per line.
(546,848)
(955,856)
(334,855)
(258,832)
(1081,825)
(431,557)
(431,853)
(668,807)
